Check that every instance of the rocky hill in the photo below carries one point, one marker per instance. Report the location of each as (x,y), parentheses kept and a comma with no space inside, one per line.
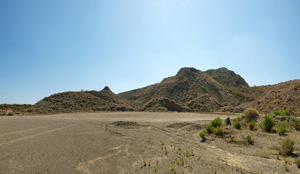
(284,95)
(84,101)
(189,90)
(228,78)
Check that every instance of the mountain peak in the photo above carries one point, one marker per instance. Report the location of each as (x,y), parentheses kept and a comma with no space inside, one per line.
(187,72)
(106,88)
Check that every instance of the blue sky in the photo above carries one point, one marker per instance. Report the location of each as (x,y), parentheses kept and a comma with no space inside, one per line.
(55,46)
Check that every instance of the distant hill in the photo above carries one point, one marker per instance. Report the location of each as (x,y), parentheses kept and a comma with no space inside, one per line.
(104,100)
(284,95)
(190,90)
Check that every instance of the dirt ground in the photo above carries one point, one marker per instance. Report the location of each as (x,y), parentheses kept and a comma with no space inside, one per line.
(133,142)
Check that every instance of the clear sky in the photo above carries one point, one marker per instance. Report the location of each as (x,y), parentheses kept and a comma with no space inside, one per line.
(51,46)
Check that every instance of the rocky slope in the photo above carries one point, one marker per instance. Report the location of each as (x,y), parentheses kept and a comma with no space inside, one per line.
(190,88)
(104,100)
(284,95)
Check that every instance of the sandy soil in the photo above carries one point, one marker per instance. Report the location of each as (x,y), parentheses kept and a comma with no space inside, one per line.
(131,142)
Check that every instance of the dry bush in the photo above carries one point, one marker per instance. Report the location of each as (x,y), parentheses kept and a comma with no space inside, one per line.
(251,114)
(285,147)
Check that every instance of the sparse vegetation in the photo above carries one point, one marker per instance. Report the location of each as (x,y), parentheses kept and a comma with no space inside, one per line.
(218,131)
(251,114)
(296,124)
(285,147)
(202,135)
(286,167)
(283,112)
(276,112)
(265,155)
(237,124)
(297,161)
(209,128)
(249,140)
(267,124)
(286,112)
(166,150)
(217,122)
(231,139)
(251,125)
(281,129)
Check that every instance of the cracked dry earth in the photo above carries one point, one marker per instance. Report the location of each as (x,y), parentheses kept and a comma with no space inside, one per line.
(125,142)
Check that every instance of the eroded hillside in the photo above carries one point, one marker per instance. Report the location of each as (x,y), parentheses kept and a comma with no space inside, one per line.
(190,90)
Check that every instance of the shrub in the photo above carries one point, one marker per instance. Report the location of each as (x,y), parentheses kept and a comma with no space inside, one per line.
(202,135)
(216,122)
(238,119)
(237,124)
(251,114)
(231,139)
(276,112)
(285,112)
(281,129)
(218,131)
(209,128)
(248,139)
(285,147)
(297,161)
(296,125)
(251,125)
(268,123)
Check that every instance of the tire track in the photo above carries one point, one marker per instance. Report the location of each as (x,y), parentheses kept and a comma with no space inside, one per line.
(35,135)
(28,130)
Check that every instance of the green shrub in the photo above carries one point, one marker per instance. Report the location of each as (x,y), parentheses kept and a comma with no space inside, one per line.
(297,161)
(296,125)
(202,135)
(268,123)
(285,112)
(276,112)
(219,131)
(251,125)
(281,129)
(209,128)
(251,114)
(285,147)
(216,122)
(231,139)
(248,139)
(237,124)
(238,119)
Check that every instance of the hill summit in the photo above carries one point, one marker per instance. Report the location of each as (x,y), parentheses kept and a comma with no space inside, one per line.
(189,90)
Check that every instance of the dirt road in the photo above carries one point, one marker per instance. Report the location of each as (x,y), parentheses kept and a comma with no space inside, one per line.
(81,142)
